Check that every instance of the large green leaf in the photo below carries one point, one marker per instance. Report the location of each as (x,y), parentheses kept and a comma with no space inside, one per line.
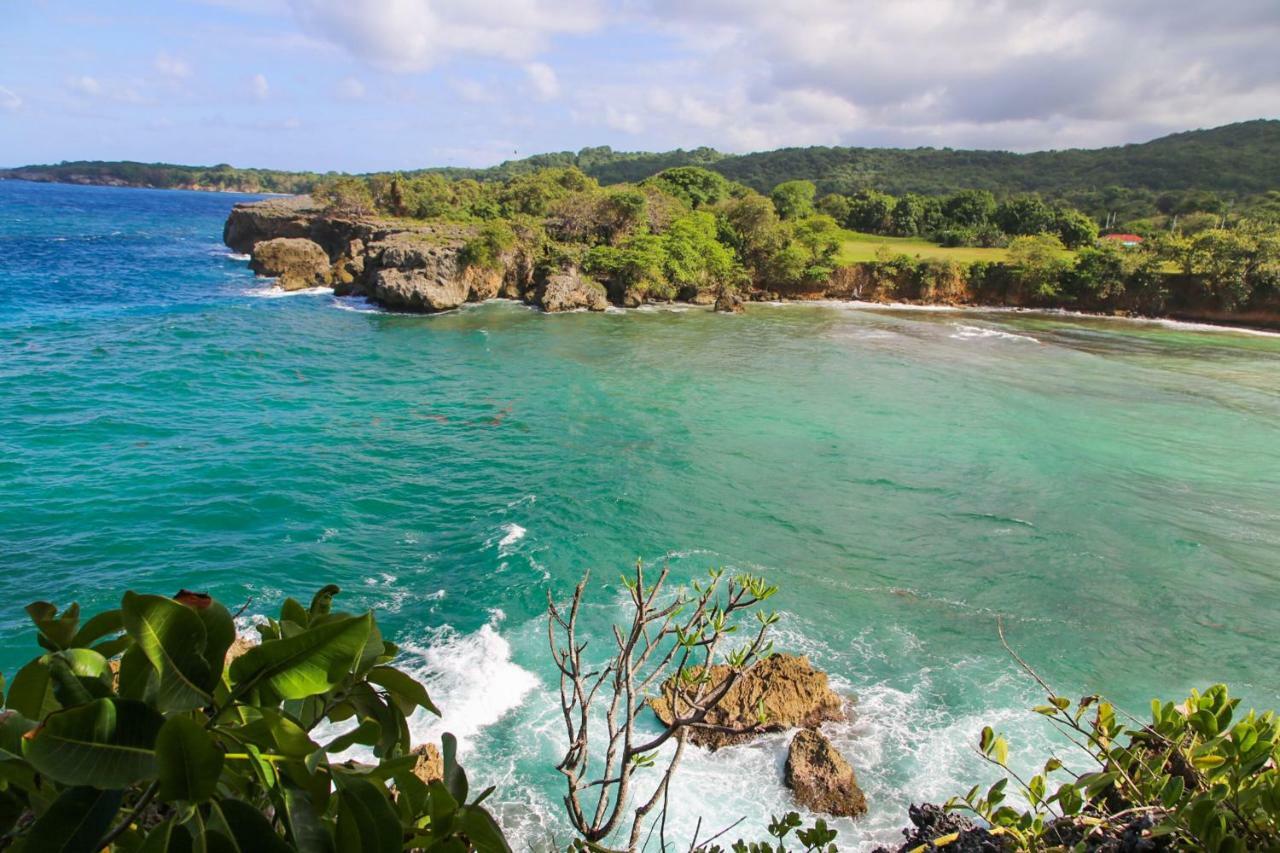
(276,732)
(189,761)
(106,743)
(31,693)
(174,639)
(56,632)
(248,830)
(12,727)
(403,687)
(98,626)
(308,833)
(75,822)
(220,630)
(481,830)
(366,821)
(304,665)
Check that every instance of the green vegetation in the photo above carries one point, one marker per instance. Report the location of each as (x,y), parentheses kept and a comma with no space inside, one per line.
(1225,171)
(1200,776)
(135,730)
(150,728)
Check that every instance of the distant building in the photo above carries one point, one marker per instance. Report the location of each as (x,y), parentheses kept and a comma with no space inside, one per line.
(1124,239)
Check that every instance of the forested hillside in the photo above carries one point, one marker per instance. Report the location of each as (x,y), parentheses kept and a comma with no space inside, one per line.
(1197,170)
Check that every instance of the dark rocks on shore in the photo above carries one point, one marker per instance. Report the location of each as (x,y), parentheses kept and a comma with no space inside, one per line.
(728,302)
(821,778)
(930,822)
(787,688)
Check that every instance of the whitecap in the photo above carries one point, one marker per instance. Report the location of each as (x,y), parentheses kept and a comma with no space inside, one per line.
(968,332)
(513,534)
(276,292)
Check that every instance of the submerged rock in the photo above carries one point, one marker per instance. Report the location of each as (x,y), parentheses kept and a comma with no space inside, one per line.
(823,781)
(568,291)
(789,691)
(296,262)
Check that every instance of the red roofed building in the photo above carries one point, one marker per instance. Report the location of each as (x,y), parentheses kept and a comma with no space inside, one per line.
(1124,239)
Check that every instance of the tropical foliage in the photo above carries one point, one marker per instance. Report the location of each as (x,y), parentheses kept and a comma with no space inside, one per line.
(134,730)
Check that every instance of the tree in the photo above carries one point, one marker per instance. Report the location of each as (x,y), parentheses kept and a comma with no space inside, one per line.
(871,211)
(911,215)
(133,730)
(694,257)
(969,208)
(1025,215)
(820,238)
(836,206)
(344,196)
(1075,229)
(696,186)
(1038,263)
(673,640)
(794,199)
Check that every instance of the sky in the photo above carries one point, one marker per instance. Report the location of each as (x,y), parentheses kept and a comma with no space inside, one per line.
(364,85)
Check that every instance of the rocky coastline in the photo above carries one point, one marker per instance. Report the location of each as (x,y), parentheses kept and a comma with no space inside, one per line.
(421,267)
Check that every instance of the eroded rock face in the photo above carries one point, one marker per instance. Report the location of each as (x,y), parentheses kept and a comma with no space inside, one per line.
(568,291)
(821,778)
(791,692)
(422,290)
(728,302)
(428,765)
(296,262)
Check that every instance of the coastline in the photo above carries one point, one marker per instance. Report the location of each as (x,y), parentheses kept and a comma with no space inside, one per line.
(422,266)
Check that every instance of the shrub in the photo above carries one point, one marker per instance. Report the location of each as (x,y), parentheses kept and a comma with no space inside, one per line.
(132,731)
(1199,776)
(485,250)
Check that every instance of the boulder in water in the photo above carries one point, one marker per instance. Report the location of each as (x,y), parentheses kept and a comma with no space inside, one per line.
(789,691)
(728,302)
(821,778)
(296,262)
(568,291)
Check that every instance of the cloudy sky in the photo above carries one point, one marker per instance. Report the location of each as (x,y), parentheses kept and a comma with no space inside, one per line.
(384,84)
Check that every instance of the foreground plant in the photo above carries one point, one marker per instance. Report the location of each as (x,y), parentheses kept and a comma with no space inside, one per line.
(133,731)
(1198,776)
(672,640)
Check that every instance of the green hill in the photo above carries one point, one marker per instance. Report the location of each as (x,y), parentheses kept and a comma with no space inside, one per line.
(1233,161)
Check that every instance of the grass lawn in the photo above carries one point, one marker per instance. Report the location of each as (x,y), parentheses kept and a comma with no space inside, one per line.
(856,247)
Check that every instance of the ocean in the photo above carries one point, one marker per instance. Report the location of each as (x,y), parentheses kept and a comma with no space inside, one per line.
(1110,488)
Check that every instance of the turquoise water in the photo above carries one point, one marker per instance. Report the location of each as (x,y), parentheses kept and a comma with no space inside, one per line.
(1109,487)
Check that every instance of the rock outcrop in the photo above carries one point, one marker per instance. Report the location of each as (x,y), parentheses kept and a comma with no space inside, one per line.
(820,777)
(428,765)
(787,688)
(728,302)
(570,291)
(296,262)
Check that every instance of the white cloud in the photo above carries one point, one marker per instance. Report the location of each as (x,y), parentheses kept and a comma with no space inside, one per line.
(543,79)
(172,66)
(107,90)
(413,35)
(9,100)
(259,86)
(349,89)
(1040,73)
(85,85)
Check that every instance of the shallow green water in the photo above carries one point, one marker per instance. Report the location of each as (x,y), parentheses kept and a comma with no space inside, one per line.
(1110,487)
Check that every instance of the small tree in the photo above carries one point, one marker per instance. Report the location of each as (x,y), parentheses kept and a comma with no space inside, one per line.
(794,199)
(672,640)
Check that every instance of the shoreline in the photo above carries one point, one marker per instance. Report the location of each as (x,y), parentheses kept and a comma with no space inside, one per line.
(424,267)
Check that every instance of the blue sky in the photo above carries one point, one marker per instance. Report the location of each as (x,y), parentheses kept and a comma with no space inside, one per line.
(361,85)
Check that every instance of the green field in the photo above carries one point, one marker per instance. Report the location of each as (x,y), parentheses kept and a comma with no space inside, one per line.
(857,247)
